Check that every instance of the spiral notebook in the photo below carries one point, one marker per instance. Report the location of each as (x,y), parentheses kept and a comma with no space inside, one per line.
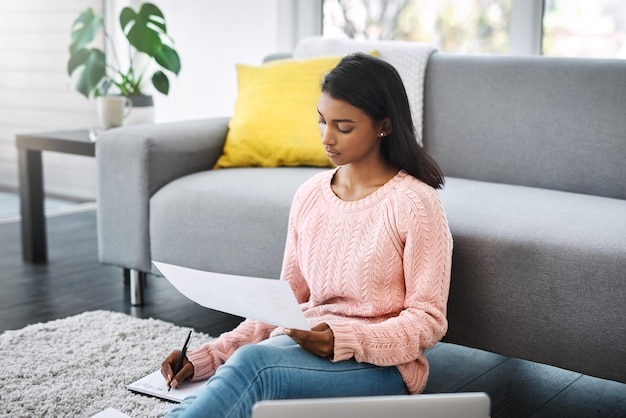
(154,385)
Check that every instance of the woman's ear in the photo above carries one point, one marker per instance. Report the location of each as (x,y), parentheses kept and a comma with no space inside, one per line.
(385,127)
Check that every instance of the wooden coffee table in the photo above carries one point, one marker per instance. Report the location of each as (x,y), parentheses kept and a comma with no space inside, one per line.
(30,148)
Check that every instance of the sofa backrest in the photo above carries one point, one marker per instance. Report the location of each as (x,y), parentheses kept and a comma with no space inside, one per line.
(557,123)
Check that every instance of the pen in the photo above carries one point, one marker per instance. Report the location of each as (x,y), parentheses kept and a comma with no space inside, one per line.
(179,362)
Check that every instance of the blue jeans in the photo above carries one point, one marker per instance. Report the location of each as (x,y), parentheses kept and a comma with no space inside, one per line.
(278,368)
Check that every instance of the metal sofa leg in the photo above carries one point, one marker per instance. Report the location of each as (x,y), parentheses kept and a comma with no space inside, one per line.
(137,280)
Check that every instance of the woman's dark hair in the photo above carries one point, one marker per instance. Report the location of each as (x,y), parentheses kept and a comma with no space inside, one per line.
(375,87)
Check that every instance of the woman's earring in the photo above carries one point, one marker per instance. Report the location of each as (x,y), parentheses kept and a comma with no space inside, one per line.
(381,134)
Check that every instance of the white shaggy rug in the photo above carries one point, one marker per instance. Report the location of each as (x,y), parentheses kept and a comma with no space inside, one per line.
(79,366)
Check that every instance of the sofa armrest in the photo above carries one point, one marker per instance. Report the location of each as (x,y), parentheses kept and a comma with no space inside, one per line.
(133,163)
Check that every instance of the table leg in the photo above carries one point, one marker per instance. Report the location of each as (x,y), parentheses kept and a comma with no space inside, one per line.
(34,242)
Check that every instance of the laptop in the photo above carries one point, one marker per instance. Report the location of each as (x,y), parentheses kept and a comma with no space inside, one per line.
(445,405)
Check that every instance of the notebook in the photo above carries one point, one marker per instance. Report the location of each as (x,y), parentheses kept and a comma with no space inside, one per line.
(110,413)
(154,384)
(448,405)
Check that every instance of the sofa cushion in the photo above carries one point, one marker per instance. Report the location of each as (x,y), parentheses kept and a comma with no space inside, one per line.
(275,122)
(229,221)
(537,261)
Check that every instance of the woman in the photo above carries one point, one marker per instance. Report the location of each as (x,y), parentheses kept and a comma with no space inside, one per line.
(368,255)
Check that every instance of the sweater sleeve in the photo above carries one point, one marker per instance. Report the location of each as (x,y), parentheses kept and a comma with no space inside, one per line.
(213,354)
(427,260)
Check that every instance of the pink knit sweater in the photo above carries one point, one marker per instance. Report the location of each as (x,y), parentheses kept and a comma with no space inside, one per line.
(376,270)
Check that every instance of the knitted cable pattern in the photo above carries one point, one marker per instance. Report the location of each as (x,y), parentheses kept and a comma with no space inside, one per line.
(376,270)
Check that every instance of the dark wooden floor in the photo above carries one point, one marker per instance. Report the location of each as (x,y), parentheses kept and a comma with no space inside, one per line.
(74,281)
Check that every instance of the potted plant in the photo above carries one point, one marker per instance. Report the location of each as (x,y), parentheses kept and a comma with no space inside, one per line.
(150,50)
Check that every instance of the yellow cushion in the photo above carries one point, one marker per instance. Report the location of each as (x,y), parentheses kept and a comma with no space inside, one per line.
(275,122)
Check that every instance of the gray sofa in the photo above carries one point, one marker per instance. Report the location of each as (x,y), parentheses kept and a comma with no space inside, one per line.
(534,152)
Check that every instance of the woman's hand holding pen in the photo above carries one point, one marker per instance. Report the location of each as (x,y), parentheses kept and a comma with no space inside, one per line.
(319,341)
(168,365)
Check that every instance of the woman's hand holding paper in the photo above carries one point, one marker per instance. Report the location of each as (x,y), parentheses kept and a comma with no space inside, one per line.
(319,341)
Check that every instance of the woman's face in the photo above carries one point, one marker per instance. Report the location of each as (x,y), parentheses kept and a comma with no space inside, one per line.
(348,134)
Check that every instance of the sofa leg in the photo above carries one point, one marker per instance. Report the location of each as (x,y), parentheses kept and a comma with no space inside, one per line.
(137,279)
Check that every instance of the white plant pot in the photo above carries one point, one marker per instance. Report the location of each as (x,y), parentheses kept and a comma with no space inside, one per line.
(142,111)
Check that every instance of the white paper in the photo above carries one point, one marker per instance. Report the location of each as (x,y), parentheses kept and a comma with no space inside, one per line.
(267,300)
(154,384)
(110,413)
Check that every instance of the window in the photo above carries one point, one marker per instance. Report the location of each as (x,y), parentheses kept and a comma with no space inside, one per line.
(583,28)
(574,28)
(451,25)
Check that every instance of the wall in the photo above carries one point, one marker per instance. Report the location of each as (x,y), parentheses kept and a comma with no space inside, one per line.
(211,37)
(35,95)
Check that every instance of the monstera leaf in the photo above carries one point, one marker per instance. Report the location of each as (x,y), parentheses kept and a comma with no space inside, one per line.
(88,62)
(146,33)
(85,29)
(93,66)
